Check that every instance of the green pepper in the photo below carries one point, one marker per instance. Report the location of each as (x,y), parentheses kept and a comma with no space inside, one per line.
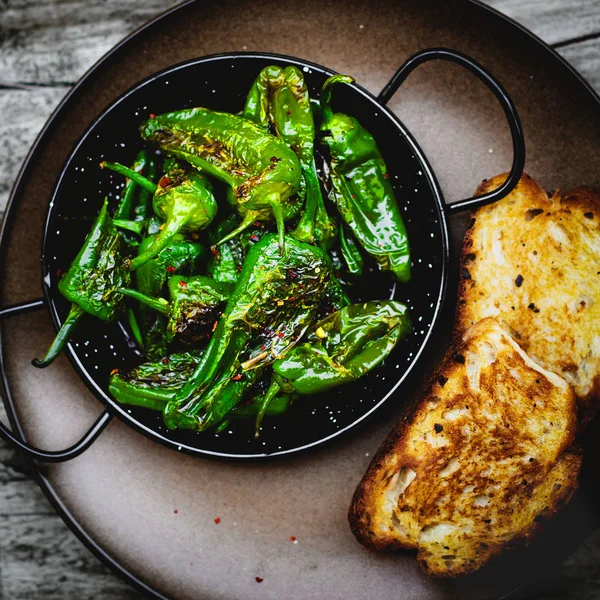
(182,256)
(361,189)
(271,306)
(343,347)
(153,384)
(279,100)
(263,172)
(195,307)
(226,260)
(91,282)
(128,205)
(182,198)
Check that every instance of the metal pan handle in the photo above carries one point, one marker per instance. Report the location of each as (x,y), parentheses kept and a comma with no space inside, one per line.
(49,456)
(501,94)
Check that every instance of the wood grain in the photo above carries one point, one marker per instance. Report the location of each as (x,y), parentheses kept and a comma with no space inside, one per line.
(47,45)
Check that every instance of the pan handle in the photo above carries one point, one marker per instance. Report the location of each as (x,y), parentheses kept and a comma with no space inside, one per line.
(48,456)
(514,123)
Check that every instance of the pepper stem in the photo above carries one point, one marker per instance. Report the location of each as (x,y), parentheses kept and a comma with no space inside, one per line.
(248,219)
(158,304)
(128,225)
(264,405)
(61,338)
(325,98)
(305,230)
(171,228)
(135,328)
(130,174)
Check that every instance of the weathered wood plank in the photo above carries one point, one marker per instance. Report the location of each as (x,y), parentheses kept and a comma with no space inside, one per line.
(555,21)
(43,560)
(585,57)
(24,112)
(19,493)
(57,41)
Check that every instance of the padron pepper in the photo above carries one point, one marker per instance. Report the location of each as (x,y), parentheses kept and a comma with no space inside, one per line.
(135,201)
(339,349)
(263,172)
(183,199)
(195,307)
(279,100)
(181,257)
(154,384)
(91,282)
(361,189)
(272,304)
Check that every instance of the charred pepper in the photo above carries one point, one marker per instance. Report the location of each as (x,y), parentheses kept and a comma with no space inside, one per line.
(183,199)
(91,282)
(263,172)
(361,189)
(273,303)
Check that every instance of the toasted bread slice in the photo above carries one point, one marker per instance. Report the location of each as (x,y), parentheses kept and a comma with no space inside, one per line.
(483,456)
(533,263)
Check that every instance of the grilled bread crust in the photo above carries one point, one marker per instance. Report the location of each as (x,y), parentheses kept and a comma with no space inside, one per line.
(482,457)
(533,263)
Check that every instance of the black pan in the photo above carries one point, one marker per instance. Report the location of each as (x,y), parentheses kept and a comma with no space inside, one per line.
(221,82)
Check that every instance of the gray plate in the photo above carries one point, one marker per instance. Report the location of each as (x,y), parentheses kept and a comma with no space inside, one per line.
(150,510)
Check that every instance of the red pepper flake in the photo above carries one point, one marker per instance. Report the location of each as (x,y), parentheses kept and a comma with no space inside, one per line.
(292,274)
(259,579)
(114,371)
(165,361)
(59,272)
(214,251)
(165,181)
(152,115)
(290,298)
(280,335)
(217,520)
(254,238)
(183,283)
(215,325)
(292,538)
(258,224)
(387,176)
(239,268)
(170,269)
(263,347)
(236,377)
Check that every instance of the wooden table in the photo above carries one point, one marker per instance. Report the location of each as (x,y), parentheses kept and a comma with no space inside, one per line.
(46,45)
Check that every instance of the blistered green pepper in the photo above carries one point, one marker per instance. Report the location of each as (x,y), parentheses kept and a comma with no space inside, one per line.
(361,189)
(273,303)
(279,100)
(225,263)
(153,384)
(91,282)
(263,172)
(343,347)
(195,307)
(183,199)
(134,200)
(181,257)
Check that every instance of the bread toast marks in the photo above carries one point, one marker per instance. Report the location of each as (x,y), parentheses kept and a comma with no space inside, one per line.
(533,263)
(481,458)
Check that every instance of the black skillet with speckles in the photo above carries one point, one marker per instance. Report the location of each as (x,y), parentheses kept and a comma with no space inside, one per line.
(221,83)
